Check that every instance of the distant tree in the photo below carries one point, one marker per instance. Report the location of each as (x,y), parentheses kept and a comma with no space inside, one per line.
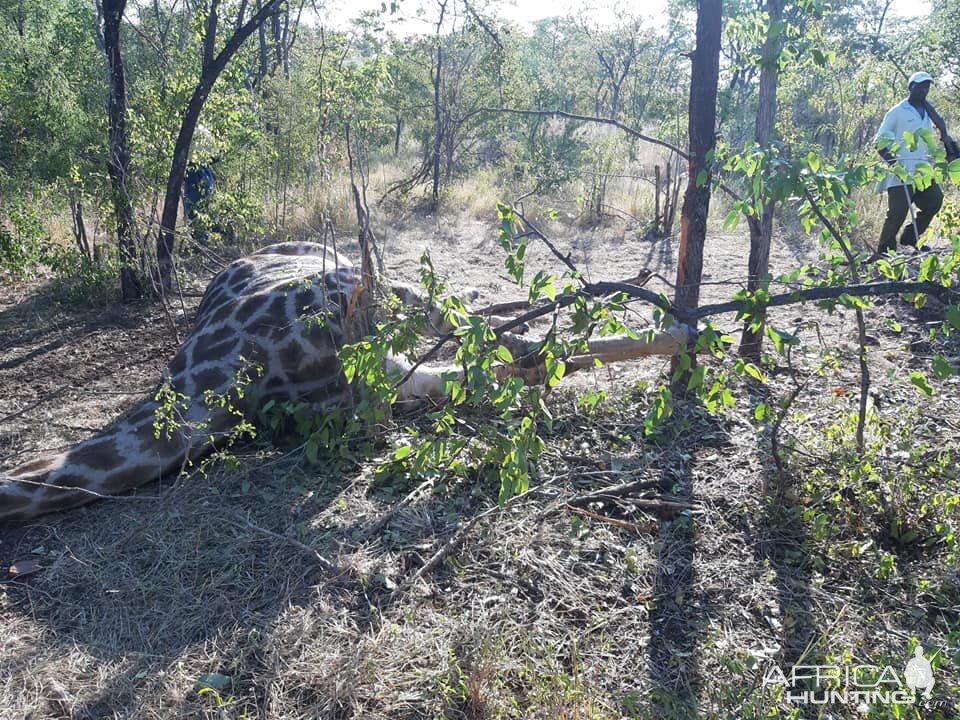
(51,107)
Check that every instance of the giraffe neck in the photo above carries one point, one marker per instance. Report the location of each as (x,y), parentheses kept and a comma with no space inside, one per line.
(133,451)
(248,323)
(273,321)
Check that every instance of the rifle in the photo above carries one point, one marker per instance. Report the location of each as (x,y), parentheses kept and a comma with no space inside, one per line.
(953,150)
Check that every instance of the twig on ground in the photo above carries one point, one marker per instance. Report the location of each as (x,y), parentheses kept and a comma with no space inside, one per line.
(460,535)
(616,522)
(328,566)
(384,519)
(614,491)
(565,259)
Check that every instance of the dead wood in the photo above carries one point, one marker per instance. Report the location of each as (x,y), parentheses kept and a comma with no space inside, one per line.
(646,528)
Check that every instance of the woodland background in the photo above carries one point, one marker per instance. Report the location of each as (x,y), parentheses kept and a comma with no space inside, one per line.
(640,543)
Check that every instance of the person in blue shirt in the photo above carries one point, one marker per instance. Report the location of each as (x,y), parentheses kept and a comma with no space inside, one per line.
(197,189)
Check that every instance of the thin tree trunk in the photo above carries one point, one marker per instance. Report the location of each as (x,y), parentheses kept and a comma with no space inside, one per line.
(761,228)
(118,166)
(438,128)
(704,76)
(437,117)
(212,67)
(79,226)
(657,225)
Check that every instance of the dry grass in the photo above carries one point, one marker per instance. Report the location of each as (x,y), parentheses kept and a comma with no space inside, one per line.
(542,612)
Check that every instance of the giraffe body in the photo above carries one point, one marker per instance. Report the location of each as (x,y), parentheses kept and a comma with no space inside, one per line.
(272,322)
(279,310)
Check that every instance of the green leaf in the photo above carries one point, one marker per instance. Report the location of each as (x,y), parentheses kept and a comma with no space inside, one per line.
(942,367)
(928,268)
(731,221)
(760,412)
(953,170)
(504,355)
(696,377)
(754,372)
(953,316)
(312,451)
(213,681)
(920,381)
(555,370)
(401,452)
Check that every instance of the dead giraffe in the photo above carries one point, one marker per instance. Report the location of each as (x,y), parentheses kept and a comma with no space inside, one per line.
(252,314)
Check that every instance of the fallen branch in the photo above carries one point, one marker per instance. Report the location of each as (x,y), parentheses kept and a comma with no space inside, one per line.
(616,522)
(460,535)
(638,280)
(616,491)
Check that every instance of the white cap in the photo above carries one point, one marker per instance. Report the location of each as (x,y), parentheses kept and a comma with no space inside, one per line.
(919,77)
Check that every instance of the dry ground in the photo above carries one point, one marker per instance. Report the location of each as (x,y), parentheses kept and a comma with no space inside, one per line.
(542,612)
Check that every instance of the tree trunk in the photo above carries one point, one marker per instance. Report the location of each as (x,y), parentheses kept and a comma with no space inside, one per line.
(212,67)
(704,76)
(657,225)
(79,226)
(178,171)
(761,229)
(118,165)
(438,128)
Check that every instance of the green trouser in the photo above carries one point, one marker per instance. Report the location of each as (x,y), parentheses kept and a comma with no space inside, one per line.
(928,203)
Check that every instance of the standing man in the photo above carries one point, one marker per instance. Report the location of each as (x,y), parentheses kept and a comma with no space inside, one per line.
(914,115)
(197,189)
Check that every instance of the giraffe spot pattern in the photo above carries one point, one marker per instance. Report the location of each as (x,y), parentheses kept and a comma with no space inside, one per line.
(205,351)
(210,379)
(163,446)
(253,309)
(291,356)
(144,413)
(247,308)
(35,466)
(179,363)
(130,477)
(95,454)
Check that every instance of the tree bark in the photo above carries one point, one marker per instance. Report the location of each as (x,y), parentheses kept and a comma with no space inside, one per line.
(438,128)
(118,166)
(761,228)
(437,79)
(212,67)
(703,115)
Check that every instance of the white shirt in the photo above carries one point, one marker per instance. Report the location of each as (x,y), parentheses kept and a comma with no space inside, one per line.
(898,120)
